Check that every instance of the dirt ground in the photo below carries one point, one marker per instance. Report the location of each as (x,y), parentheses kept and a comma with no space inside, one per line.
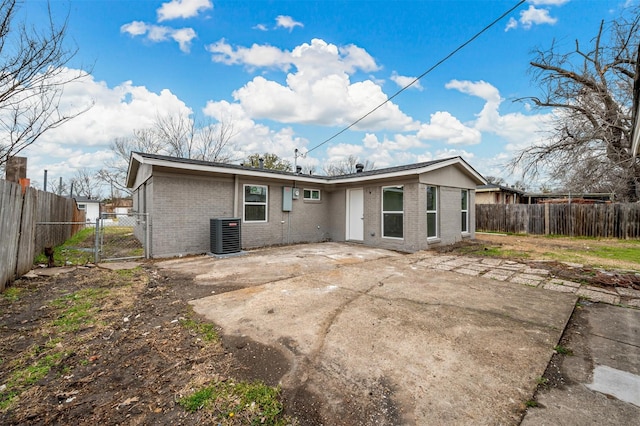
(137,356)
(129,364)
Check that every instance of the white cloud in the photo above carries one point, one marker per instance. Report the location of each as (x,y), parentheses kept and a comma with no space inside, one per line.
(319,91)
(182,9)
(534,16)
(516,128)
(252,137)
(287,22)
(134,28)
(264,56)
(445,127)
(84,141)
(159,33)
(403,81)
(261,27)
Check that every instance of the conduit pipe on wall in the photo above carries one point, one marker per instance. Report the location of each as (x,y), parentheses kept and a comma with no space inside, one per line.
(235,195)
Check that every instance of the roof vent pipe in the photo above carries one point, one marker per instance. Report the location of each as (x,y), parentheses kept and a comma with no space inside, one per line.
(261,161)
(359,167)
(298,169)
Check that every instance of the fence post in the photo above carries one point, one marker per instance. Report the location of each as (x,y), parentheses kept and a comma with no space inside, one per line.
(547,218)
(96,249)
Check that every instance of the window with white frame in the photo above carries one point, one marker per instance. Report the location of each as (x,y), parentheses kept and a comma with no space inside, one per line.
(464,209)
(255,203)
(432,212)
(311,194)
(393,212)
(82,206)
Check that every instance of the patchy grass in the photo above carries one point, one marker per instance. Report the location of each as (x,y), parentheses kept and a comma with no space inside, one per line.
(81,310)
(116,242)
(492,251)
(627,254)
(238,403)
(206,331)
(77,250)
(12,294)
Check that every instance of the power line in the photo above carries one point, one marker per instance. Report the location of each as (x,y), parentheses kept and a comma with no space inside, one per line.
(437,64)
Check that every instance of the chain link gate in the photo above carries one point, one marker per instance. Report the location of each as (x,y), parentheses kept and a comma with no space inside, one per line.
(122,236)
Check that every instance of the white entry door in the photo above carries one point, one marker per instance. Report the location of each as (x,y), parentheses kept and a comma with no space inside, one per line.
(355,214)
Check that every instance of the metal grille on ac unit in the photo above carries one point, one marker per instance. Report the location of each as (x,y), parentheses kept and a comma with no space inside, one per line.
(225,235)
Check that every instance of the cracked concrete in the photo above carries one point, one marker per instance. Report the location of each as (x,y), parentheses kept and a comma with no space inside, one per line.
(384,338)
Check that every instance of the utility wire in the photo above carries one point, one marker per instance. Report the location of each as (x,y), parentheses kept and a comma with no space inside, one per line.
(462,46)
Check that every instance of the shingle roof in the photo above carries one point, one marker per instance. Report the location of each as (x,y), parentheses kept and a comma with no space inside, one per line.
(278,172)
(138,158)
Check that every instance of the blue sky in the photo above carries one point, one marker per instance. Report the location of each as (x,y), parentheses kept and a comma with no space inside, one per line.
(290,74)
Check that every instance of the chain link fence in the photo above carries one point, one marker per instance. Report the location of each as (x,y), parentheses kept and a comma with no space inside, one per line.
(123,236)
(65,243)
(114,236)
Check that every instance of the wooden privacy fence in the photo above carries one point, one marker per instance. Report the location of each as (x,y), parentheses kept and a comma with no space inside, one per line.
(587,220)
(20,240)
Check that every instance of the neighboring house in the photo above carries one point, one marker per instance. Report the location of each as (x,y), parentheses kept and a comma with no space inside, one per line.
(406,208)
(90,207)
(119,206)
(567,197)
(497,194)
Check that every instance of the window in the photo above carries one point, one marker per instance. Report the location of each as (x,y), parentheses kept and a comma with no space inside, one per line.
(311,194)
(392,212)
(465,210)
(255,203)
(432,212)
(82,206)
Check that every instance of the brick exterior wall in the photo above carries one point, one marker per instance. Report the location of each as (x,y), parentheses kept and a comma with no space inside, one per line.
(181,206)
(308,221)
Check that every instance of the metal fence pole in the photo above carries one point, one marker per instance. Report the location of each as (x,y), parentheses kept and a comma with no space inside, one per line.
(96,248)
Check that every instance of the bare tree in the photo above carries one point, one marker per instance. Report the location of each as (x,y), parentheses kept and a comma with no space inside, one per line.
(590,90)
(496,180)
(346,166)
(32,78)
(177,136)
(59,187)
(86,183)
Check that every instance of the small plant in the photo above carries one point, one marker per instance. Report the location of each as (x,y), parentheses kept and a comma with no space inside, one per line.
(248,403)
(531,403)
(206,331)
(542,381)
(563,350)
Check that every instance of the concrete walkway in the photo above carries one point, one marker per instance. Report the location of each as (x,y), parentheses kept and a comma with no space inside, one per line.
(520,273)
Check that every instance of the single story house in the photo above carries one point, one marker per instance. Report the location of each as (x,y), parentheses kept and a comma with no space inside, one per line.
(405,208)
(497,194)
(91,208)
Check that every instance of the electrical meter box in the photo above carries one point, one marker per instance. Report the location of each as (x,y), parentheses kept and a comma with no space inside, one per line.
(287,198)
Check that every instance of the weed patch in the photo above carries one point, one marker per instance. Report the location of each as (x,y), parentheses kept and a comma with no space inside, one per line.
(205,331)
(12,294)
(563,350)
(238,403)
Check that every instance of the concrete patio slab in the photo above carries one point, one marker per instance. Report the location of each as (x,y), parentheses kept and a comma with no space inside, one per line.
(380,339)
